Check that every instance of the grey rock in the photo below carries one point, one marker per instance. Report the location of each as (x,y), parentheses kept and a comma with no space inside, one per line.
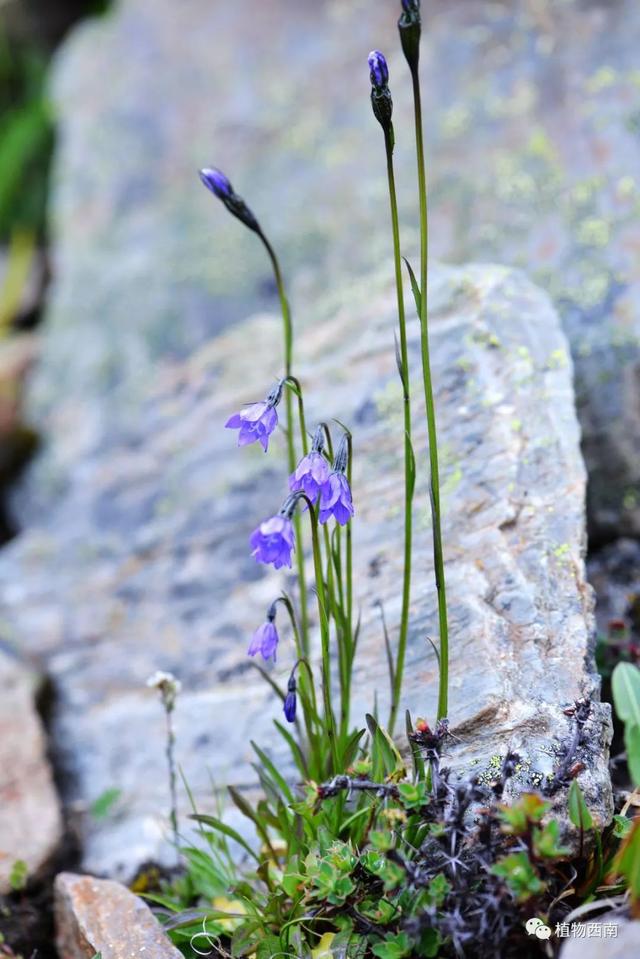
(533,158)
(608,937)
(30,817)
(101,917)
(145,565)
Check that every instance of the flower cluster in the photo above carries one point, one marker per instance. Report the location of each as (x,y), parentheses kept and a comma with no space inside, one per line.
(319,480)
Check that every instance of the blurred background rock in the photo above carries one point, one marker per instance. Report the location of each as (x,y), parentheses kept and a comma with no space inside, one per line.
(30,30)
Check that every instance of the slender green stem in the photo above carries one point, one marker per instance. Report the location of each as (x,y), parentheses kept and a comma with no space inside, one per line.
(329,718)
(349,546)
(443,690)
(291,452)
(408,451)
(171,764)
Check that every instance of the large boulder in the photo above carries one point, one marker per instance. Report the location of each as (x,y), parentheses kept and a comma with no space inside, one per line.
(145,563)
(99,917)
(532,123)
(30,816)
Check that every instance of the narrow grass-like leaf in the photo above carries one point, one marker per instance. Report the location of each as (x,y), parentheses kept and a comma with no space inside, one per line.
(277,777)
(578,810)
(296,752)
(226,830)
(417,296)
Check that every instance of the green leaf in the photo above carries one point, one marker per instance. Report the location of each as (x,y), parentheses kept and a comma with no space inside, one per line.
(632,743)
(386,759)
(417,296)
(245,808)
(546,842)
(625,683)
(418,761)
(520,876)
(103,805)
(621,826)
(18,875)
(280,780)
(578,810)
(413,795)
(529,808)
(627,864)
(222,827)
(394,947)
(412,469)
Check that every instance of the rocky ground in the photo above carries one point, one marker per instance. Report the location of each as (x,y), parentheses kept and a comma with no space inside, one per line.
(135,517)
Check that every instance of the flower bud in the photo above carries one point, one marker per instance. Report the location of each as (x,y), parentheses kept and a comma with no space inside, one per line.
(378,69)
(218,183)
(290,700)
(381,101)
(410,27)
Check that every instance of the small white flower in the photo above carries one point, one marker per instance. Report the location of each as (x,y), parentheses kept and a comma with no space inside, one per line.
(168,686)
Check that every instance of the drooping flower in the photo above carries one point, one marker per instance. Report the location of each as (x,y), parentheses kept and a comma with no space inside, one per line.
(335,500)
(335,497)
(290,702)
(265,639)
(312,472)
(274,541)
(378,69)
(257,421)
(219,184)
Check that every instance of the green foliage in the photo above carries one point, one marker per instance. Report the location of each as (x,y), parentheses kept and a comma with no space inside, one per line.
(520,875)
(103,806)
(578,811)
(18,875)
(627,864)
(26,139)
(518,818)
(625,683)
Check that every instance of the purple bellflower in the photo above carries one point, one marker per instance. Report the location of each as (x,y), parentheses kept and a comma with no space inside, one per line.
(290,700)
(219,184)
(257,421)
(312,472)
(274,541)
(335,497)
(265,639)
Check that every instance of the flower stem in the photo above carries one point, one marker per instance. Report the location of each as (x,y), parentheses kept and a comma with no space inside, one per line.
(408,451)
(438,561)
(171,765)
(324,637)
(291,452)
